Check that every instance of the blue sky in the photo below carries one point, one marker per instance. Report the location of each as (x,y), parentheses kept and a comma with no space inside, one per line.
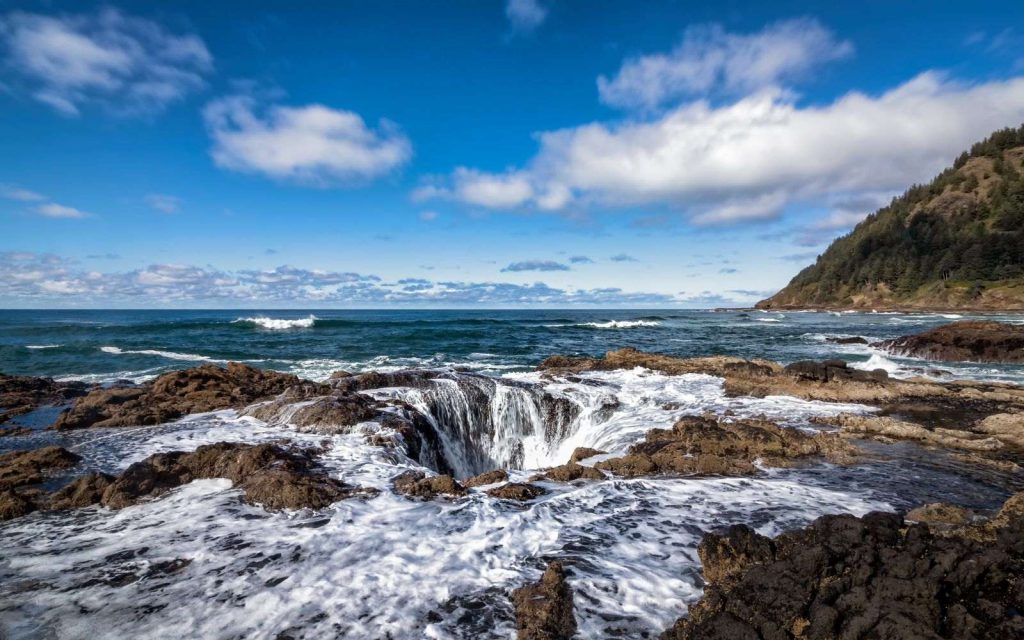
(473,153)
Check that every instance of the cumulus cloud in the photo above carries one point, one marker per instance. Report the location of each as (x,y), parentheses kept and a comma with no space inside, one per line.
(30,277)
(128,65)
(536,265)
(54,210)
(525,15)
(163,203)
(709,59)
(751,158)
(312,144)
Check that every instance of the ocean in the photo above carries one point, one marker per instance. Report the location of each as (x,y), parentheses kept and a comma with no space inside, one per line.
(390,567)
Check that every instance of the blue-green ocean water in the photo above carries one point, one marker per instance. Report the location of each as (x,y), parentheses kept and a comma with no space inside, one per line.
(107,345)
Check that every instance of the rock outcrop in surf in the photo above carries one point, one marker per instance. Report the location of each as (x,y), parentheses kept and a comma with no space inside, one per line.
(968,340)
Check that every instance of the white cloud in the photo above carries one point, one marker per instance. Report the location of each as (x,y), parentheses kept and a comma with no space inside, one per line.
(525,15)
(163,203)
(54,210)
(130,65)
(751,158)
(312,144)
(23,195)
(711,60)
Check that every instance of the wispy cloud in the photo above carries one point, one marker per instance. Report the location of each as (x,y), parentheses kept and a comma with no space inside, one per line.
(580,260)
(12,192)
(536,265)
(623,257)
(130,66)
(54,210)
(312,144)
(525,15)
(429,216)
(711,60)
(163,203)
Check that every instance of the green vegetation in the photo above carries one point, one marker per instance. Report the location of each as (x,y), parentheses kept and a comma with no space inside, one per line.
(956,242)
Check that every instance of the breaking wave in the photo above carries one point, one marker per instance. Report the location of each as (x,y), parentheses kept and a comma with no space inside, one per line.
(278,324)
(170,355)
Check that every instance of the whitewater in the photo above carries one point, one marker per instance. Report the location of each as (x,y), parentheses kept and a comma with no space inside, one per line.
(199,559)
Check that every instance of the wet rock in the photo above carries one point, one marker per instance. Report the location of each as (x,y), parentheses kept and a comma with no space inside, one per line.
(582,453)
(1008,428)
(413,378)
(519,491)
(940,514)
(630,358)
(569,473)
(270,475)
(335,414)
(886,428)
(21,394)
(870,577)
(81,492)
(176,394)
(832,370)
(968,340)
(14,505)
(416,484)
(729,554)
(707,446)
(14,431)
(846,340)
(28,467)
(489,477)
(544,609)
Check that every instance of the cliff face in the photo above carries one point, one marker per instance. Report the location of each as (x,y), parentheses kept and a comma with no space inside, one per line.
(956,243)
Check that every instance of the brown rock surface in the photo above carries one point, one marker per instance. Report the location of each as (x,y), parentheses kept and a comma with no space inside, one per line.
(27,467)
(887,428)
(969,340)
(544,609)
(488,477)
(416,484)
(83,491)
(707,446)
(22,394)
(519,491)
(582,453)
(569,472)
(941,514)
(176,394)
(870,577)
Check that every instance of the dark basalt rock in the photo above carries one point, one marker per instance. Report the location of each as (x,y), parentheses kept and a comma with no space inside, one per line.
(544,609)
(519,491)
(270,475)
(176,394)
(414,378)
(969,340)
(416,484)
(870,577)
(847,340)
(489,477)
(707,446)
(21,394)
(833,371)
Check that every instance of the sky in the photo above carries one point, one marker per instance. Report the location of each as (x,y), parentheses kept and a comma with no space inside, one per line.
(471,153)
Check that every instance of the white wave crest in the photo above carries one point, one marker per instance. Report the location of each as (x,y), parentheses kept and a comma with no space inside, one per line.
(279,323)
(43,346)
(170,355)
(622,324)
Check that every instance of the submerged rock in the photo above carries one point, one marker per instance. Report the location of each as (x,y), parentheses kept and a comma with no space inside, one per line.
(176,394)
(519,491)
(847,340)
(707,446)
(416,484)
(833,370)
(21,394)
(969,340)
(870,577)
(544,609)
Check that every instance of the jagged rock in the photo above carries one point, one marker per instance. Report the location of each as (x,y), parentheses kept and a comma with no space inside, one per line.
(940,513)
(269,474)
(413,378)
(888,428)
(727,555)
(416,484)
(334,414)
(569,473)
(833,370)
(81,492)
(970,340)
(22,394)
(14,505)
(14,431)
(630,358)
(1008,428)
(489,477)
(517,491)
(847,340)
(27,467)
(175,394)
(706,446)
(870,577)
(544,609)
(582,453)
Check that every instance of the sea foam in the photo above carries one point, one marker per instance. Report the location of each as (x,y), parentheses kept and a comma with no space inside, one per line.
(277,324)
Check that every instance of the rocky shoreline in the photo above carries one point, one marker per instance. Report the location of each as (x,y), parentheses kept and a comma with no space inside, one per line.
(827,580)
